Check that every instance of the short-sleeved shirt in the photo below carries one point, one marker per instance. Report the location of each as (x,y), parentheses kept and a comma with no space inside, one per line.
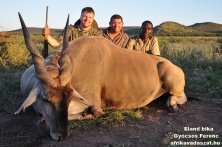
(150,46)
(120,40)
(75,32)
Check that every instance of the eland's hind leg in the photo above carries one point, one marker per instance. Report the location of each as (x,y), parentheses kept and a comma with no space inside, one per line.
(174,100)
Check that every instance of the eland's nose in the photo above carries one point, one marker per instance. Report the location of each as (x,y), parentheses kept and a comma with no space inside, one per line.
(56,136)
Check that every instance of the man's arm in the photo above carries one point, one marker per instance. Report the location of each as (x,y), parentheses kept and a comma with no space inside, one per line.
(155,47)
(46,34)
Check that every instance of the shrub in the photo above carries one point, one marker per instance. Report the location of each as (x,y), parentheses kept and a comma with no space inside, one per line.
(13,52)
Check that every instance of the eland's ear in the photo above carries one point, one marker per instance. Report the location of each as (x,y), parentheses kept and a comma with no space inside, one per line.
(28,102)
(30,99)
(77,95)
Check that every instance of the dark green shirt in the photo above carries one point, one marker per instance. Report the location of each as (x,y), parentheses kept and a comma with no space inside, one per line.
(75,32)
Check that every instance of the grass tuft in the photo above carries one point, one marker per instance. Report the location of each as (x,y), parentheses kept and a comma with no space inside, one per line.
(111,119)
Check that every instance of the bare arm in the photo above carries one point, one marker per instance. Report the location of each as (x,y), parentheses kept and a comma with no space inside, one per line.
(46,34)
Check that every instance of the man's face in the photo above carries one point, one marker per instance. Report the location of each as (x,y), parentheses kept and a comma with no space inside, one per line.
(146,31)
(87,19)
(116,25)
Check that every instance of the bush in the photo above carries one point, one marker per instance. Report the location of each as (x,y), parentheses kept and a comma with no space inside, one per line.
(13,52)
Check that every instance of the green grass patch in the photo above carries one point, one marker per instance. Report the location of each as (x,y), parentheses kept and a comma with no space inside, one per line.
(205,82)
(112,118)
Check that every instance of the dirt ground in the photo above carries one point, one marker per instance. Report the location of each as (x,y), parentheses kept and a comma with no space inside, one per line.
(157,128)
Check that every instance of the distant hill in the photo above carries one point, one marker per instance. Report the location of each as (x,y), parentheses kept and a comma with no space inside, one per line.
(207,27)
(34,30)
(129,30)
(175,29)
(168,28)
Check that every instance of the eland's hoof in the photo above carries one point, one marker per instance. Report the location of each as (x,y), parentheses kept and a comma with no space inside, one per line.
(173,109)
(93,112)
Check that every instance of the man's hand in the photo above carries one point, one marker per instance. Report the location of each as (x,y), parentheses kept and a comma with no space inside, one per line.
(46,32)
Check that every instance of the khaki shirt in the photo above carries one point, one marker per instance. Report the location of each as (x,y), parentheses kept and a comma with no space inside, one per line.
(150,46)
(120,40)
(75,32)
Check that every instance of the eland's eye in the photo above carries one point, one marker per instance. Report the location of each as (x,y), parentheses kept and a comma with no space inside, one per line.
(44,97)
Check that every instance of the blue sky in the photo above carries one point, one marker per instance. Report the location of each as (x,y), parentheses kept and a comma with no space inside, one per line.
(134,12)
